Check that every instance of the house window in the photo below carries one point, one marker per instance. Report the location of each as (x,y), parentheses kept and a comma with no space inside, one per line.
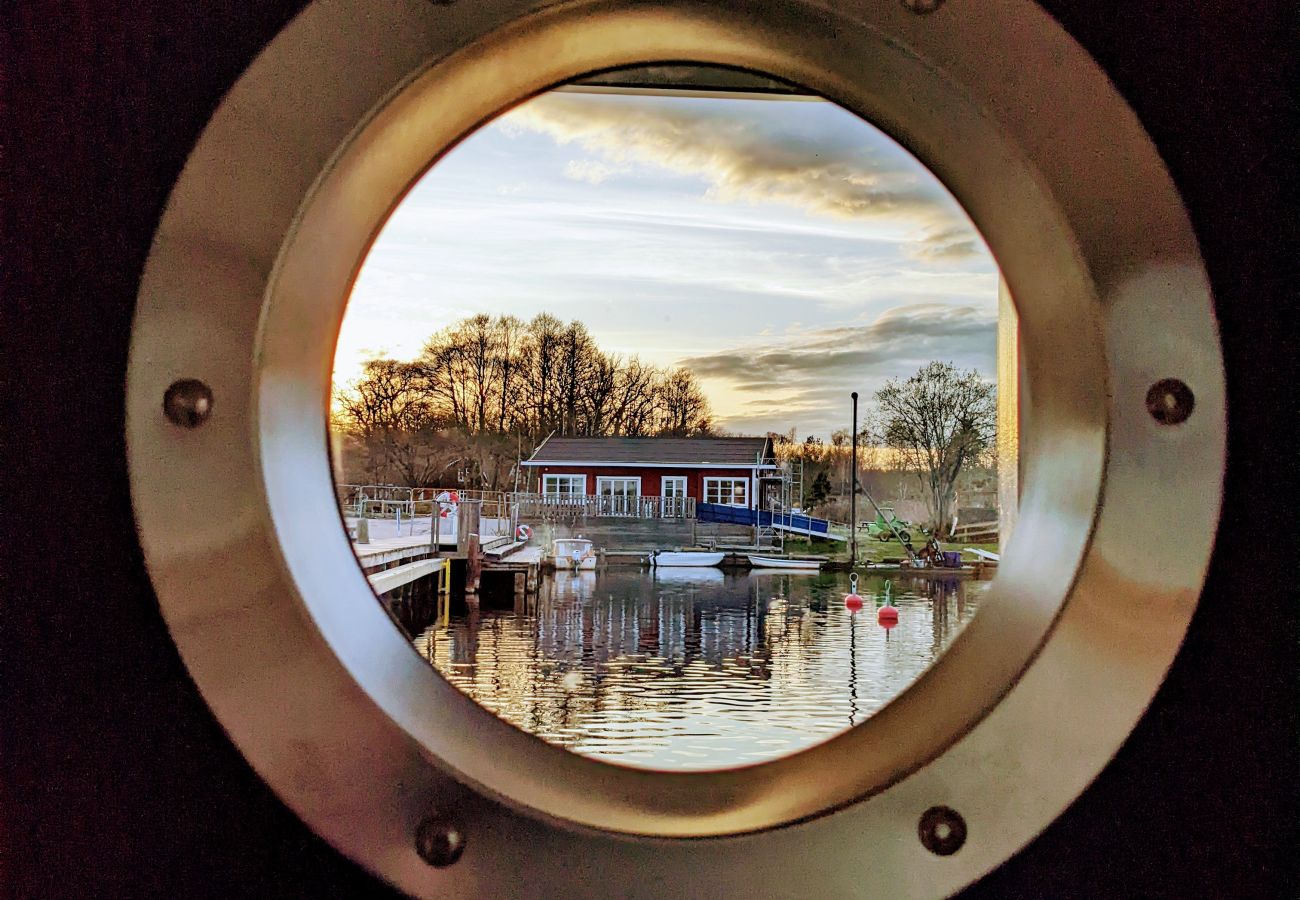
(618,496)
(727,491)
(564,485)
(674,495)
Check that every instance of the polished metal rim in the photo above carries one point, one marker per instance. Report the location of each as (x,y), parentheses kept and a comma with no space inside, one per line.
(244,293)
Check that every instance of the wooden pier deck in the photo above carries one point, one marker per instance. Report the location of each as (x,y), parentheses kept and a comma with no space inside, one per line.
(400,576)
(385,551)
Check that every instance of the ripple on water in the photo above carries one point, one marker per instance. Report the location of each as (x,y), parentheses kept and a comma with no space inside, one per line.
(696,673)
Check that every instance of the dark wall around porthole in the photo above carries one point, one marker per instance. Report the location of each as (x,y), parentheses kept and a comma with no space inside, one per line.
(117,778)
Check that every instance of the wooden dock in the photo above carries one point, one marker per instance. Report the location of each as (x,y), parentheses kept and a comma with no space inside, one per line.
(384,552)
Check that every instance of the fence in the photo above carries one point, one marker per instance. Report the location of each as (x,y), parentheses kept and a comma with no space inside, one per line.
(380,501)
(385,501)
(375,501)
(561,507)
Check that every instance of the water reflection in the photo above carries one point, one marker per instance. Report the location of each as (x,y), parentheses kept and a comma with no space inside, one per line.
(696,668)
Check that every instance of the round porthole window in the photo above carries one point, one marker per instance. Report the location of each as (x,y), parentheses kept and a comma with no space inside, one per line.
(596,429)
(242,302)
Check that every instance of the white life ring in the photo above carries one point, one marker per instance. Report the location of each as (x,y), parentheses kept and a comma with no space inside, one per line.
(523,532)
(447,502)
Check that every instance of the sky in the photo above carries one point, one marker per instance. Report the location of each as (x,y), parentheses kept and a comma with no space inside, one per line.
(785,251)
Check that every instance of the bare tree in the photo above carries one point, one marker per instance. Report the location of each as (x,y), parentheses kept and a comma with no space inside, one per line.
(577,352)
(636,402)
(388,412)
(510,363)
(684,409)
(543,341)
(599,394)
(838,456)
(938,421)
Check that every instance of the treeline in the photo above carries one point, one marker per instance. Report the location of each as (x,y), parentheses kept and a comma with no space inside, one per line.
(488,388)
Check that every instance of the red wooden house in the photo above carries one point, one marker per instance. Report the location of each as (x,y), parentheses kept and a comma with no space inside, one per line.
(622,472)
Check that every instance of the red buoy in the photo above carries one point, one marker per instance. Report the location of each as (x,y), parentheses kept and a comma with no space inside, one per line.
(887,616)
(852,602)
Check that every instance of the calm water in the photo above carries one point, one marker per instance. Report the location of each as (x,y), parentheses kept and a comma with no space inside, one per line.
(696,668)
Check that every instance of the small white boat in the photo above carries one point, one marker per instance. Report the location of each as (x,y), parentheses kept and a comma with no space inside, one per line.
(574,555)
(684,559)
(779,562)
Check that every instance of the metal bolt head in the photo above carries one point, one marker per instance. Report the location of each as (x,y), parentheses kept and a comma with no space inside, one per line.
(188,403)
(439,842)
(1170,401)
(922,7)
(942,830)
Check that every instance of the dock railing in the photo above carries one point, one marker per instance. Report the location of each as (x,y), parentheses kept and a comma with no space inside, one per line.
(376,501)
(385,501)
(379,501)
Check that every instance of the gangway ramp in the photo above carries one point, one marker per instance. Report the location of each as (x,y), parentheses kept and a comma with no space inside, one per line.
(790,523)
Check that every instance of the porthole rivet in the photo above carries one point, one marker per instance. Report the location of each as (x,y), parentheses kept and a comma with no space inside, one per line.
(942,830)
(188,403)
(922,7)
(1170,401)
(439,842)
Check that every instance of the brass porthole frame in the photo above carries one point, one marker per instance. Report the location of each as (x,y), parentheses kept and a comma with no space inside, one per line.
(244,292)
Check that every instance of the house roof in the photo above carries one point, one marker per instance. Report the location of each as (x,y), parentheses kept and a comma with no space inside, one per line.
(740,452)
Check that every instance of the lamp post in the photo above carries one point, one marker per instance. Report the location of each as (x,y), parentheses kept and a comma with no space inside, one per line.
(853,489)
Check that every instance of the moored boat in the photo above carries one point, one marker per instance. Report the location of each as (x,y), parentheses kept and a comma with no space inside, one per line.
(684,559)
(574,554)
(781,562)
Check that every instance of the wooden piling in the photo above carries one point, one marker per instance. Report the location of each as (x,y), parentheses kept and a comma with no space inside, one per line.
(474,564)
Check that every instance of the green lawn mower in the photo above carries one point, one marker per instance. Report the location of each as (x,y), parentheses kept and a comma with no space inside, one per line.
(883,529)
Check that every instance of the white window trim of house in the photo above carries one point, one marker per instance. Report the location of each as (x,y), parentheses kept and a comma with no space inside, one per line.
(602,479)
(618,505)
(676,506)
(551,483)
(731,481)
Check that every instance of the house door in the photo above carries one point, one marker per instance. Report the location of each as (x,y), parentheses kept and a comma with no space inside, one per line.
(619,496)
(674,496)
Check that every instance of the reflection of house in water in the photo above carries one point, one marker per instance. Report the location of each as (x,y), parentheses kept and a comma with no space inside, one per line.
(685,620)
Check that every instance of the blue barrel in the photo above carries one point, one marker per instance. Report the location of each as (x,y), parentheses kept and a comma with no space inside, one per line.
(952,559)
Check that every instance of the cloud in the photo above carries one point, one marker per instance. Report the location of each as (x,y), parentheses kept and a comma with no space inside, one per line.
(957,243)
(591,171)
(747,158)
(882,348)
(812,372)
